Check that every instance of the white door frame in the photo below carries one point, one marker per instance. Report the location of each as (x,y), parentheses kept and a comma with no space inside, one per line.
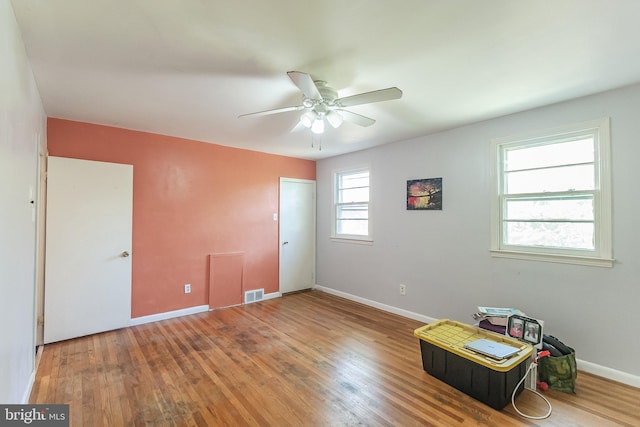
(41,209)
(280,222)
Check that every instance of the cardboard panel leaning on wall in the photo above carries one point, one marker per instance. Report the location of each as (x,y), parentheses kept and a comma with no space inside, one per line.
(190,199)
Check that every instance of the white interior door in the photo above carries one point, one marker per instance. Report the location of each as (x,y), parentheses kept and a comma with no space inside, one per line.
(88,248)
(297,234)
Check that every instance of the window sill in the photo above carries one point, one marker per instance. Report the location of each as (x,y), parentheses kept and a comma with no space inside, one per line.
(562,259)
(353,241)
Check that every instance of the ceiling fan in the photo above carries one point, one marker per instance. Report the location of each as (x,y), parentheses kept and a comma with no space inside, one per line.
(320,102)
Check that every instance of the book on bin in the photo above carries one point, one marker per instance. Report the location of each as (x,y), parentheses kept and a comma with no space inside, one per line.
(497,315)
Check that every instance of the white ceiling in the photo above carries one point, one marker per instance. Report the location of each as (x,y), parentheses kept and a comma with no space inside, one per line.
(189,68)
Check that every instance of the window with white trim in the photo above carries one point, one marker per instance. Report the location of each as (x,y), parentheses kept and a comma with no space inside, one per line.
(553,195)
(351,204)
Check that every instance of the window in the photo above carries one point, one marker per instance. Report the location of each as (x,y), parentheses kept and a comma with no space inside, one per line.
(351,205)
(553,195)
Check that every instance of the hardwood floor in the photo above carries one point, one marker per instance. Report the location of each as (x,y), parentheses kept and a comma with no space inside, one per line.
(307,359)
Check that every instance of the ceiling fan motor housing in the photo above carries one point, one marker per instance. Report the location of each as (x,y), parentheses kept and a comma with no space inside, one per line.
(329,94)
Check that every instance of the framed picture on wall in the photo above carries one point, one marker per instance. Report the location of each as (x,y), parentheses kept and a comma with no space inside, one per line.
(424,194)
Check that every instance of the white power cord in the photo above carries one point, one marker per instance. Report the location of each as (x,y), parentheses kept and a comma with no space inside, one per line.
(513,396)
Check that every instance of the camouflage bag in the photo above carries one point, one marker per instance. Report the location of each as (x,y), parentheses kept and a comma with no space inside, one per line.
(559,372)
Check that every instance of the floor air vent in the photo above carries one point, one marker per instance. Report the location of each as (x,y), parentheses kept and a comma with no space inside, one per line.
(253,296)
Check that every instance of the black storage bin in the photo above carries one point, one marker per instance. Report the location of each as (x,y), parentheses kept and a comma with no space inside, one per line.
(490,381)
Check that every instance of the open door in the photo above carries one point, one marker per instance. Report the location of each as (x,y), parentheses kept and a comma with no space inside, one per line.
(88,248)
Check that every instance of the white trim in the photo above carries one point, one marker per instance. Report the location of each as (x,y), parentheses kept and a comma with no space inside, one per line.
(32,377)
(187,311)
(168,315)
(302,181)
(561,259)
(579,127)
(606,188)
(272,295)
(264,296)
(353,240)
(375,304)
(314,219)
(27,392)
(347,238)
(609,373)
(600,129)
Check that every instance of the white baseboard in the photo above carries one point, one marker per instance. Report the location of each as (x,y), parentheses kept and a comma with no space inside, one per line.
(27,392)
(371,303)
(583,365)
(32,377)
(271,296)
(168,315)
(186,312)
(612,374)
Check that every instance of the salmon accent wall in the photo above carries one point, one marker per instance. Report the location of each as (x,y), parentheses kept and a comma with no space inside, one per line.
(190,199)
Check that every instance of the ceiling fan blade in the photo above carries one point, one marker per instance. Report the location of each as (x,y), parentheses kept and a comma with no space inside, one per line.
(370,97)
(298,127)
(277,110)
(305,84)
(358,119)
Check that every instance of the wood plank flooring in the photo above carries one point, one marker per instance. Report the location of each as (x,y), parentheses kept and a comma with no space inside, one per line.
(306,359)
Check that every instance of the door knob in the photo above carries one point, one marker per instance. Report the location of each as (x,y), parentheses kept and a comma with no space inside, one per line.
(124,254)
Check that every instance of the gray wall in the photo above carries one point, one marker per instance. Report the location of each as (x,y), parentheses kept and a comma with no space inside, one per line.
(22,123)
(443,256)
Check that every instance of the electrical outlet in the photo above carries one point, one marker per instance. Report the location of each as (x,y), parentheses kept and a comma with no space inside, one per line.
(187,288)
(403,289)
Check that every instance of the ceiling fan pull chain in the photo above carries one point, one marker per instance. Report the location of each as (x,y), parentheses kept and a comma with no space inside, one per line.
(319,140)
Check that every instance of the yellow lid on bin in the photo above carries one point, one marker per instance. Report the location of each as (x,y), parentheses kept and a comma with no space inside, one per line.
(452,336)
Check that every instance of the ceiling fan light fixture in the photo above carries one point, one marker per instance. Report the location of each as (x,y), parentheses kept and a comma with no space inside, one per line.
(308,118)
(318,126)
(335,119)
(319,100)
